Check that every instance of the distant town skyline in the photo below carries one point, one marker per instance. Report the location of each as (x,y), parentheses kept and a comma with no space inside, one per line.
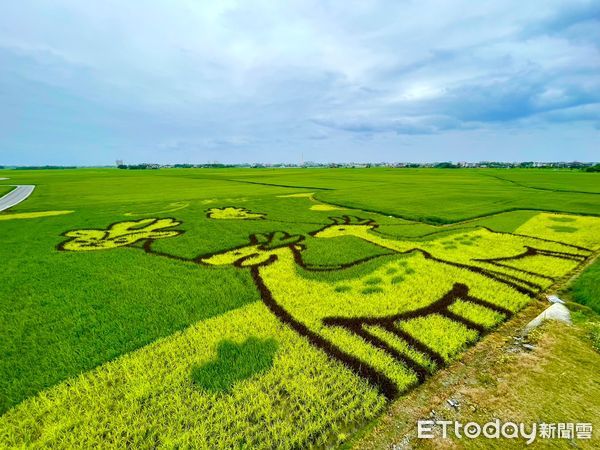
(89,83)
(586,166)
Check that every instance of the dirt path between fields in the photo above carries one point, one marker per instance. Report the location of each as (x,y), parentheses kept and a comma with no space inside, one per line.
(16,196)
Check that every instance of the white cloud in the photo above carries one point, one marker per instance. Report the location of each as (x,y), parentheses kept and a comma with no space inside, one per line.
(192,72)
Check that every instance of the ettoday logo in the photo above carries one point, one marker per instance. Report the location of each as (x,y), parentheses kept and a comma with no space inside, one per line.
(504,430)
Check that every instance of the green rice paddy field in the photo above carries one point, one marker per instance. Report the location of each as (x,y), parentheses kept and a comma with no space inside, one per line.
(258,308)
(5,189)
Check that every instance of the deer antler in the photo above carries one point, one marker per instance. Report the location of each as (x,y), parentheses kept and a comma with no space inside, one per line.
(351,220)
(275,239)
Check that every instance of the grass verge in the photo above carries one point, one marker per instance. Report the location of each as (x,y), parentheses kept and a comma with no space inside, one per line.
(556,382)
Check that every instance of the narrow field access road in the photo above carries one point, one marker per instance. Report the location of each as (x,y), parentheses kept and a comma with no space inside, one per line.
(16,196)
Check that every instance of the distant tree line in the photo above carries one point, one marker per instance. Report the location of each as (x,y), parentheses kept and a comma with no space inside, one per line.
(207,166)
(44,167)
(585,167)
(138,166)
(176,166)
(446,165)
(594,168)
(307,165)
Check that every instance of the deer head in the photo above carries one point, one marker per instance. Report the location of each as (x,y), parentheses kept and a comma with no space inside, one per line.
(264,248)
(346,226)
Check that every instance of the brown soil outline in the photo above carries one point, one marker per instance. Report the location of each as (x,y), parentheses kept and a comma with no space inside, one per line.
(533,251)
(373,376)
(474,227)
(366,371)
(441,307)
(347,220)
(376,378)
(501,277)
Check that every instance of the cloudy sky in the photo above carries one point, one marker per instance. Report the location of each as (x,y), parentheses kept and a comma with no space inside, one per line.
(276,81)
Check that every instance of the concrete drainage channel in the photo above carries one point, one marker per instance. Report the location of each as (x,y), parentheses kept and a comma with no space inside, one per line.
(16,196)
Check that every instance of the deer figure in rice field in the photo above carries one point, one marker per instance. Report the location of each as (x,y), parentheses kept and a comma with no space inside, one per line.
(516,260)
(392,323)
(358,322)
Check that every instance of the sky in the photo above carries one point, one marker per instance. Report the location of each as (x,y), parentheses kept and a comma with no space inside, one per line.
(178,81)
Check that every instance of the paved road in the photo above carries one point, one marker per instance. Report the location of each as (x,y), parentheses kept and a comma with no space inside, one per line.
(16,196)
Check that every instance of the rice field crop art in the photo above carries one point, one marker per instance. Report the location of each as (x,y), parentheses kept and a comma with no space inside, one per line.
(527,263)
(254,321)
(119,235)
(232,212)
